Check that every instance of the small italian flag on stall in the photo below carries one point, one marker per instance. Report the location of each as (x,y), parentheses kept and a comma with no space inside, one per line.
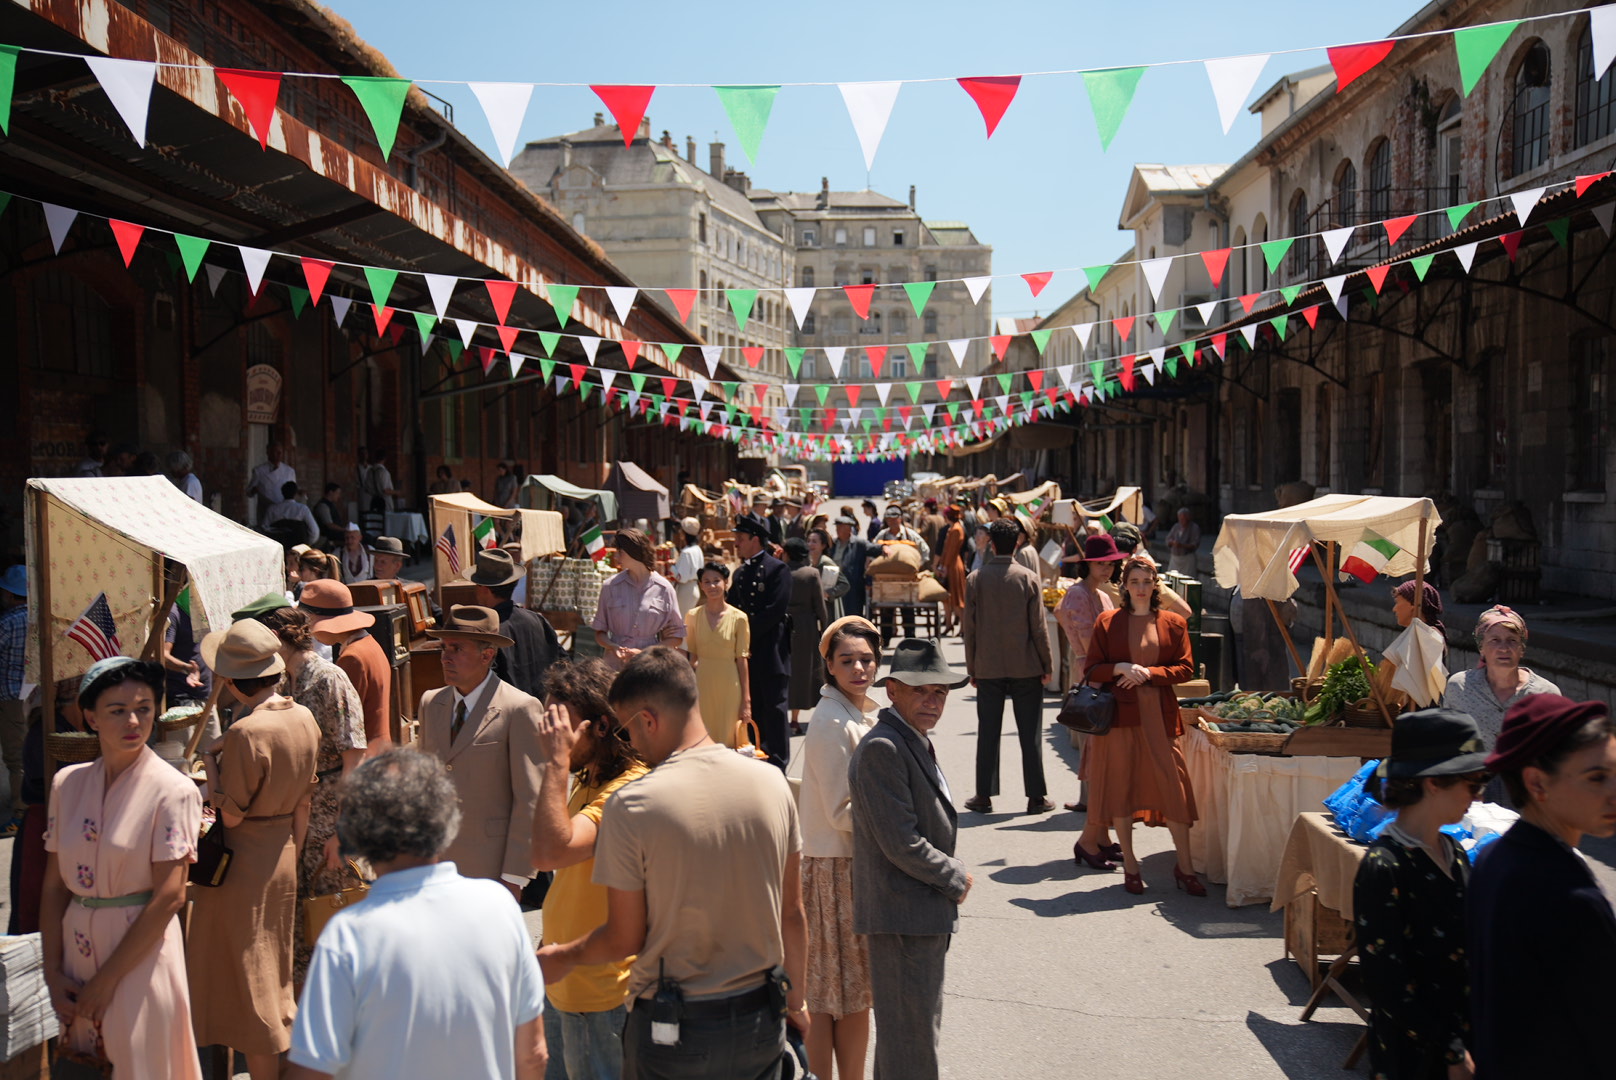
(594,543)
(1368,557)
(483,534)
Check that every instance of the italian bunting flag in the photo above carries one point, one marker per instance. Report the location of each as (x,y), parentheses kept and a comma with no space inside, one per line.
(593,543)
(1368,557)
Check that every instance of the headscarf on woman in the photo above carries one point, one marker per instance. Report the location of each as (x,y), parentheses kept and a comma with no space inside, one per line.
(1430,605)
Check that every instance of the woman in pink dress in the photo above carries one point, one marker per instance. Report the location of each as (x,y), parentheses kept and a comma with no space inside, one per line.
(121,832)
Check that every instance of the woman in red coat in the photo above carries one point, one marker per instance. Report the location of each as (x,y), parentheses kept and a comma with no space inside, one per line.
(1136,772)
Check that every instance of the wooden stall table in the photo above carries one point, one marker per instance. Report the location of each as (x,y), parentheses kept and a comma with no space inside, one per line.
(927,616)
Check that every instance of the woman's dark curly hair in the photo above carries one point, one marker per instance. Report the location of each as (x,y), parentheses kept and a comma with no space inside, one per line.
(586,685)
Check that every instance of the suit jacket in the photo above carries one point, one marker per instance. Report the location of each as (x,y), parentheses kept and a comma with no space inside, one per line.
(1109,647)
(852,558)
(1003,623)
(496,769)
(762,589)
(905,877)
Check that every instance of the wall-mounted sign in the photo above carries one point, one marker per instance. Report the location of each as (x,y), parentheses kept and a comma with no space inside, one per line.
(263,394)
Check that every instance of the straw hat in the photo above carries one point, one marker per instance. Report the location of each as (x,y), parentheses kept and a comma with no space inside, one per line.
(247,650)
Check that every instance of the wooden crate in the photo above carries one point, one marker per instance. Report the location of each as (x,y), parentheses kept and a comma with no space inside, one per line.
(895,592)
(1312,931)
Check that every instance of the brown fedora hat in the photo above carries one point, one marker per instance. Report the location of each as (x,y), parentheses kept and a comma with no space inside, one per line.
(330,608)
(468,621)
(496,567)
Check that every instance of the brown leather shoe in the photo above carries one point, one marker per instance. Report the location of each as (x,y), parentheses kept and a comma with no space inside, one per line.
(1039,806)
(976,804)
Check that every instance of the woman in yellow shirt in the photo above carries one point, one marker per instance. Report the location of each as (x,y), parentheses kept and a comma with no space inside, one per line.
(718,638)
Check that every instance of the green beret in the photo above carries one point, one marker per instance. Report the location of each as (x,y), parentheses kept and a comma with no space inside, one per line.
(262,606)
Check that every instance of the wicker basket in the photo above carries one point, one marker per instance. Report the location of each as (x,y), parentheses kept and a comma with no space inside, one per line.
(1363,714)
(167,724)
(1243,742)
(72,747)
(1306,690)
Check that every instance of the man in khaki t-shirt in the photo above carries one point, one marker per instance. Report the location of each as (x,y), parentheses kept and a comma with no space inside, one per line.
(701,861)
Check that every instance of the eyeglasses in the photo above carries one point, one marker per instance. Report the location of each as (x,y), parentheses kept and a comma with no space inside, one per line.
(1476,781)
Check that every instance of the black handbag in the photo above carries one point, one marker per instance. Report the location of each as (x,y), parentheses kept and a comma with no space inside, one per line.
(1088,710)
(212,858)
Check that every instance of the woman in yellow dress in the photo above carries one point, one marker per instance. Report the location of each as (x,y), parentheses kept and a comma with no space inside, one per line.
(718,638)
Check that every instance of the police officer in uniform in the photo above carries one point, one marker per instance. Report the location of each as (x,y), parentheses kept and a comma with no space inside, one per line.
(762,589)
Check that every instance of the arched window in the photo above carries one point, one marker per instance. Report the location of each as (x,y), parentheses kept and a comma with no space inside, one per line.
(1302,247)
(1530,129)
(808,326)
(931,323)
(1344,204)
(806,277)
(1449,159)
(578,221)
(704,279)
(1596,98)
(898,322)
(1380,182)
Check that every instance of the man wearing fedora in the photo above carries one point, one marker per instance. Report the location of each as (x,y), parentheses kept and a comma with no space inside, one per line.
(852,553)
(386,557)
(907,884)
(534,644)
(762,589)
(486,732)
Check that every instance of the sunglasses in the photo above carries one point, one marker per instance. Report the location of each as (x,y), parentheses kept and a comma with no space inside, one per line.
(1476,781)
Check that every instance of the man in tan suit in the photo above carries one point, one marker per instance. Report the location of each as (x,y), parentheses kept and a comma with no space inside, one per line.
(486,732)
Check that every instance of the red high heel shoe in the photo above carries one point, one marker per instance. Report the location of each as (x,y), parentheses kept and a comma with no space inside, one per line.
(1190,883)
(1134,883)
(1093,861)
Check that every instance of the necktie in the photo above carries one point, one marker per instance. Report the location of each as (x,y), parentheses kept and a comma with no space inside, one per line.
(932,750)
(458,722)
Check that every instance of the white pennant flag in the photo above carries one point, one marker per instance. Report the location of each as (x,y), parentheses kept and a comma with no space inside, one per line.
(1083,330)
(591,347)
(128,84)
(1332,285)
(847,423)
(255,261)
(215,275)
(1157,355)
(853,414)
(698,386)
(883,390)
(780,417)
(1205,311)
(1065,373)
(1232,78)
(705,407)
(622,298)
(908,420)
(505,105)
(1003,402)
(517,360)
(800,300)
(1603,214)
(633,401)
(58,219)
(958,347)
(976,286)
(931,413)
(1524,201)
(1467,253)
(975,383)
(607,377)
(1602,28)
(1340,307)
(339,308)
(791,392)
(710,355)
(1155,271)
(442,287)
(835,353)
(869,105)
(467,328)
(1250,332)
(1149,372)
(1335,241)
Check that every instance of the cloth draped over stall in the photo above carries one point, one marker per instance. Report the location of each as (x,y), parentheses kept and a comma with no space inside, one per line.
(639,495)
(541,491)
(541,531)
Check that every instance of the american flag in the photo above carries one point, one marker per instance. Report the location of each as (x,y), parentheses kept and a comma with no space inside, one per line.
(1298,557)
(96,631)
(451,550)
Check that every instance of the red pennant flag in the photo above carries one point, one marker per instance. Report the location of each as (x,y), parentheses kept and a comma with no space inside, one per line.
(628,105)
(316,272)
(978,404)
(1036,282)
(1351,61)
(1219,341)
(668,386)
(853,392)
(1124,326)
(683,404)
(257,91)
(487,355)
(1511,242)
(577,376)
(1216,262)
(1035,379)
(683,301)
(859,296)
(757,415)
(1000,342)
(396,331)
(501,293)
(878,358)
(128,236)
(1396,227)
(383,315)
(905,411)
(1377,276)
(1586,182)
(993,95)
(886,422)
(753,354)
(758,390)
(1127,375)
(944,388)
(1248,300)
(1053,393)
(507,337)
(631,353)
(1311,314)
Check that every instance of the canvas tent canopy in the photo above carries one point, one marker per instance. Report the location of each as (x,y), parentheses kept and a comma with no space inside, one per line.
(92,535)
(1126,502)
(1048,490)
(638,493)
(462,512)
(543,491)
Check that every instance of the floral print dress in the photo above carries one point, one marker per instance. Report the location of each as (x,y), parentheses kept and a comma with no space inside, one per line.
(106,838)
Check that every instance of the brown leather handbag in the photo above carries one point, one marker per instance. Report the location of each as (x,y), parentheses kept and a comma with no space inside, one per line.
(317,910)
(1088,710)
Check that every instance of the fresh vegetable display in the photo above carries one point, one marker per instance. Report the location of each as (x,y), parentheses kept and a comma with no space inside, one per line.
(1252,712)
(1344,683)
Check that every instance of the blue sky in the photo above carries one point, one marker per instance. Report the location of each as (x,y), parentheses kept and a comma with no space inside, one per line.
(1040,191)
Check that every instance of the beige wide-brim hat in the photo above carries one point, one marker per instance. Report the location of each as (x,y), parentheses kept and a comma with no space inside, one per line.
(473,623)
(247,650)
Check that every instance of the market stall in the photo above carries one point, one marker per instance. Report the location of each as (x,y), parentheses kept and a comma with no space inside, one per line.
(639,496)
(544,491)
(462,523)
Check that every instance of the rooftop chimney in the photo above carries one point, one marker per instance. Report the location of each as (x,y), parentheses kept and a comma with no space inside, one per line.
(690,149)
(600,119)
(566,153)
(824,193)
(715,159)
(667,140)
(911,196)
(738,180)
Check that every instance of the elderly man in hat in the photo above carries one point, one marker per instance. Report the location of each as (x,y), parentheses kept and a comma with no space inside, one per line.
(762,589)
(386,557)
(13,709)
(852,553)
(907,884)
(534,644)
(486,732)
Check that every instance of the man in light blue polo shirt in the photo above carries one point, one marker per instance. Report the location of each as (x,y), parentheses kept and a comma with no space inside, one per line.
(432,975)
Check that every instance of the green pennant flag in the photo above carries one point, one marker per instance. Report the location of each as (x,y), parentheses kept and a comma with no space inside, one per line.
(1172,367)
(1097,371)
(456,350)
(1476,46)
(1280,323)
(1560,229)
(1373,297)
(8,80)
(1187,348)
(1026,400)
(953,410)
(917,354)
(822,391)
(1110,94)
(656,402)
(546,368)
(748,108)
(1457,214)
(383,101)
(299,297)
(914,392)
(919,292)
(192,249)
(638,380)
(1421,264)
(1290,292)
(794,360)
(740,304)
(880,414)
(1040,338)
(672,352)
(381,284)
(1096,274)
(1164,319)
(562,297)
(425,322)
(549,340)
(1004,382)
(805,417)
(1273,252)
(731,389)
(867,423)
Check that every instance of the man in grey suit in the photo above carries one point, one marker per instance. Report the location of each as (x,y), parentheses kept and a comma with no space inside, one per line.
(486,732)
(907,885)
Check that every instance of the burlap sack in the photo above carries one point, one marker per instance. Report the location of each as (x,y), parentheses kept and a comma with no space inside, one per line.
(903,564)
(931,589)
